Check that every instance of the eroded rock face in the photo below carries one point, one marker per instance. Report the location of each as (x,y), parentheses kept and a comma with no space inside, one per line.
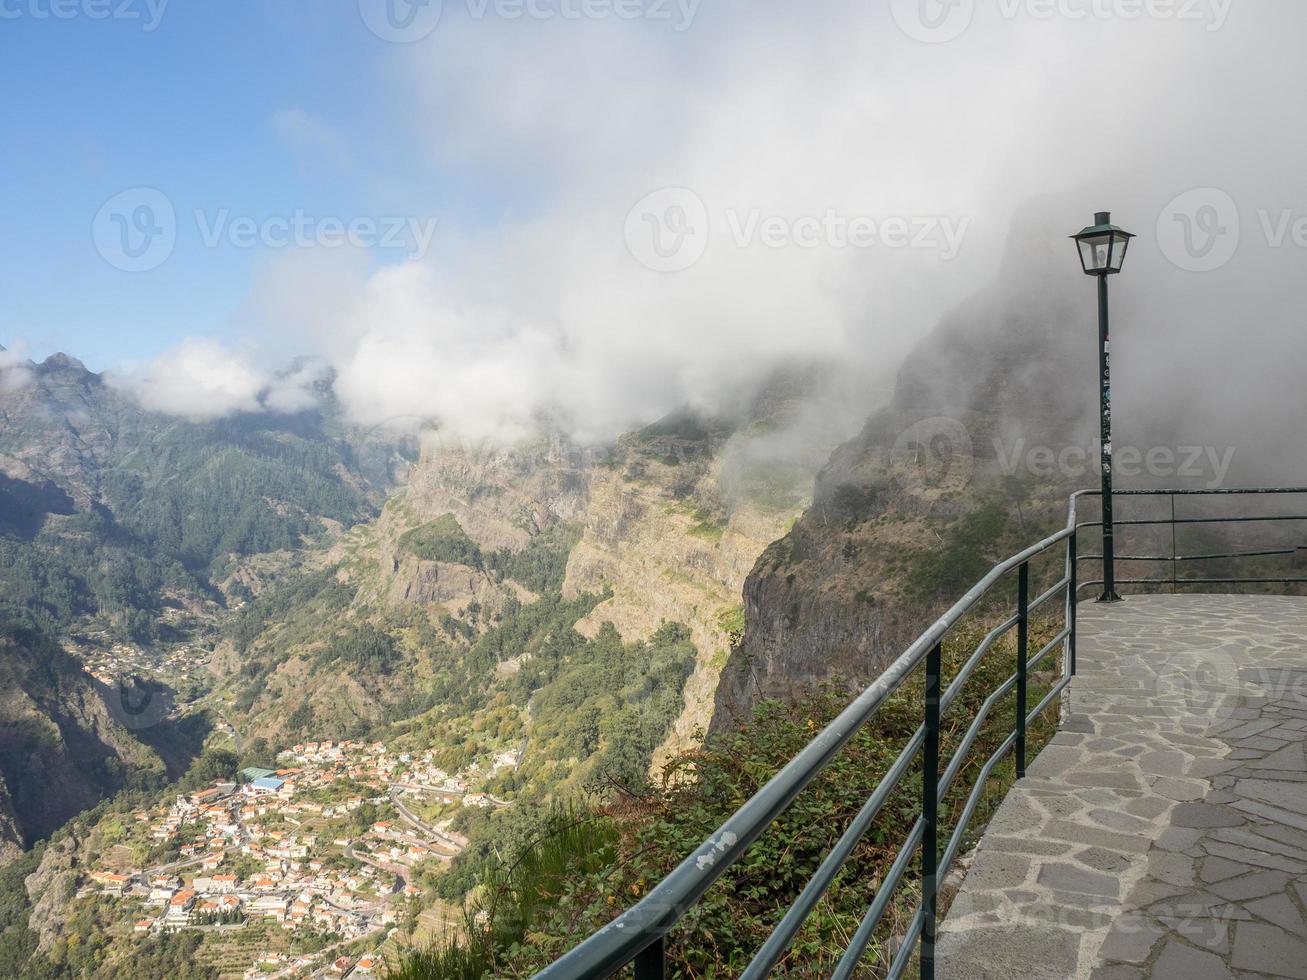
(837,599)
(501,498)
(672,547)
(820,605)
(50,887)
(669,521)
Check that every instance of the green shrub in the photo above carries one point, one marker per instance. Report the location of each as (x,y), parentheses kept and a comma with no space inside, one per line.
(442,540)
(363,646)
(542,564)
(973,544)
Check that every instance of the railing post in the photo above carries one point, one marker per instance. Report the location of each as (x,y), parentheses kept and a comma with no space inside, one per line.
(930,811)
(1023,639)
(1174,552)
(650,961)
(1073,591)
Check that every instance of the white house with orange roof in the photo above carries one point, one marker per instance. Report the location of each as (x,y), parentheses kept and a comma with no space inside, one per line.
(179,907)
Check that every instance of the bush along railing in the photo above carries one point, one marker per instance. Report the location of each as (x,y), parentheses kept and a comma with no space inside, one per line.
(638,936)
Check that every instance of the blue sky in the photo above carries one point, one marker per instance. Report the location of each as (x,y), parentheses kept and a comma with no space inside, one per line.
(94,107)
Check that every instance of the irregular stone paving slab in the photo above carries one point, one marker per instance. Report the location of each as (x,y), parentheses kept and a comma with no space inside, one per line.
(1163,831)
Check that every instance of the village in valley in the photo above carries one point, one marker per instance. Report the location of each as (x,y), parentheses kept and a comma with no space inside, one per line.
(330,848)
(182,665)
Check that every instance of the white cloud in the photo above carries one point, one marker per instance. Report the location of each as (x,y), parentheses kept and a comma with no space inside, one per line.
(198,379)
(760,111)
(292,391)
(530,302)
(15,370)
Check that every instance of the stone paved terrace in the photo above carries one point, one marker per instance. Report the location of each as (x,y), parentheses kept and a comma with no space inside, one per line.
(1163,832)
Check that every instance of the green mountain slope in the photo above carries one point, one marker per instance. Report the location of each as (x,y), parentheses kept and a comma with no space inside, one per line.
(110,511)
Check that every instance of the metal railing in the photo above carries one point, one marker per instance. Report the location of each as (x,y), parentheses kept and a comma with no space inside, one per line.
(638,935)
(1174,521)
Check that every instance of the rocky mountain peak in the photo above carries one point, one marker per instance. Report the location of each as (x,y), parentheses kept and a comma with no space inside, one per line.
(61,362)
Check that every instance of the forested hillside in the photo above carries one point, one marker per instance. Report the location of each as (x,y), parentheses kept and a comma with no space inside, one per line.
(111,511)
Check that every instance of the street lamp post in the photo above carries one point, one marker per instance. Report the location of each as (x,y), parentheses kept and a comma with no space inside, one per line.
(1102,253)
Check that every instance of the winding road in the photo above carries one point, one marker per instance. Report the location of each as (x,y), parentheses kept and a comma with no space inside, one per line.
(422,825)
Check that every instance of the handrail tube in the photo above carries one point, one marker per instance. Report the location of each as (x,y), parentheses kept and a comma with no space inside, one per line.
(973,800)
(1198,492)
(1239,554)
(904,955)
(1034,661)
(613,945)
(959,755)
(1199,581)
(862,936)
(770,953)
(1229,554)
(950,852)
(1054,590)
(1254,519)
(1040,708)
(891,780)
(966,670)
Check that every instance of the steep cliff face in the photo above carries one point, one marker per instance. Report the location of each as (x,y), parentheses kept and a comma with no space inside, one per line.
(933,489)
(63,746)
(501,499)
(672,527)
(441,563)
(51,886)
(666,524)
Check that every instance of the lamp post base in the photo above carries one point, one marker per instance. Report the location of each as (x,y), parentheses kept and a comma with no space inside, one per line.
(1109,597)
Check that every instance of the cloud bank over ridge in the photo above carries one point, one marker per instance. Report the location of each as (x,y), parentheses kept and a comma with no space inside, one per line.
(778,119)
